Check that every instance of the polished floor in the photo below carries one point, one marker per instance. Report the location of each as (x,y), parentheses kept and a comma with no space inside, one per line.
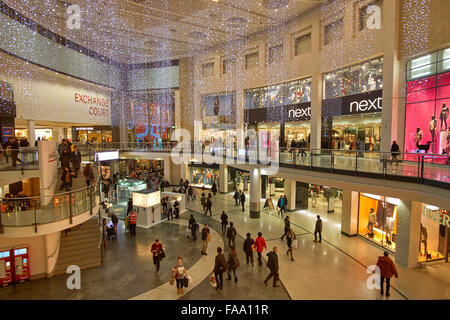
(333,269)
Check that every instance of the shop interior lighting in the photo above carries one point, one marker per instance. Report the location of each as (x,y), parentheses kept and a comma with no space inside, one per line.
(430,207)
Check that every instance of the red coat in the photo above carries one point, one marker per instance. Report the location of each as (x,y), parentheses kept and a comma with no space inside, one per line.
(132,218)
(387,267)
(260,244)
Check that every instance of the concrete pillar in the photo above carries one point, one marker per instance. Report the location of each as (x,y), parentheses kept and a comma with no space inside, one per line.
(349,215)
(408,233)
(184,172)
(391,75)
(30,130)
(223,178)
(167,169)
(290,190)
(255,192)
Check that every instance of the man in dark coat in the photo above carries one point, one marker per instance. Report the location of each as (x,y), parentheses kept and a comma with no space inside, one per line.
(318,229)
(76,160)
(242,198)
(236,197)
(220,266)
(65,158)
(224,219)
(272,264)
(248,248)
(231,235)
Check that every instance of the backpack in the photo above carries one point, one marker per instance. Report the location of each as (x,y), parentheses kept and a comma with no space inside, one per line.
(196,226)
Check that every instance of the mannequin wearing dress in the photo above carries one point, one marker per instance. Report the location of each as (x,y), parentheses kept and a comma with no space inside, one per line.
(432,128)
(418,137)
(444,115)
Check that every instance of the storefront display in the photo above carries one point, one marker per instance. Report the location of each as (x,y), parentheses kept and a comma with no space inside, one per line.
(288,93)
(427,105)
(377,220)
(219,108)
(298,131)
(92,134)
(433,232)
(39,134)
(199,176)
(126,188)
(364,77)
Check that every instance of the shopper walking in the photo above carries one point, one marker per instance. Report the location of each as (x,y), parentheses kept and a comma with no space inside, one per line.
(88,174)
(233,263)
(272,264)
(395,152)
(65,158)
(129,206)
(193,225)
(280,204)
(67,179)
(387,270)
(287,227)
(206,237)
(224,219)
(260,245)
(231,235)
(290,237)
(318,229)
(242,199)
(76,160)
(15,151)
(249,247)
(179,273)
(214,188)
(236,197)
(208,206)
(156,250)
(203,202)
(285,203)
(169,209)
(220,266)
(132,220)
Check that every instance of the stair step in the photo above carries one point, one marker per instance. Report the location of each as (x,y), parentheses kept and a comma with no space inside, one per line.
(80,263)
(82,267)
(77,251)
(82,236)
(79,258)
(85,245)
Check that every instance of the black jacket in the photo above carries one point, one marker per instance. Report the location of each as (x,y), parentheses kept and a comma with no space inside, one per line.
(65,160)
(242,197)
(248,245)
(318,226)
(272,263)
(204,234)
(224,218)
(236,195)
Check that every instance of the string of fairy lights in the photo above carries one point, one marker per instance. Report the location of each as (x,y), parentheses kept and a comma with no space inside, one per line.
(226,36)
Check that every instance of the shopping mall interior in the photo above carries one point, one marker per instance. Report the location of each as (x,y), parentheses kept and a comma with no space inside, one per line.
(122,122)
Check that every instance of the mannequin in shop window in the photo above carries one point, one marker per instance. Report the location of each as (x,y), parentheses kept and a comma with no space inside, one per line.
(432,128)
(371,222)
(418,137)
(443,116)
(389,229)
(423,240)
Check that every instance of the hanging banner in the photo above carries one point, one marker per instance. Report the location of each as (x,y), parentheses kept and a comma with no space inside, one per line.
(48,165)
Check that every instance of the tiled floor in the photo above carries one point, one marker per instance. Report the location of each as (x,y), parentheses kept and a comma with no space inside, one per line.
(334,269)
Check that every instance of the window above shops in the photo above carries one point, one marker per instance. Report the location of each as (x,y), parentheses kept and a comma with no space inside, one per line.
(288,93)
(334,32)
(364,77)
(430,64)
(208,69)
(275,54)
(228,65)
(303,44)
(252,60)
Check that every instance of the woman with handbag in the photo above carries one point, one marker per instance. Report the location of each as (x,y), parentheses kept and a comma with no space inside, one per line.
(179,273)
(233,263)
(290,237)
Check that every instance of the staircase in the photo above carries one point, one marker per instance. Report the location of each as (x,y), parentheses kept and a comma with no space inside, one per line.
(80,247)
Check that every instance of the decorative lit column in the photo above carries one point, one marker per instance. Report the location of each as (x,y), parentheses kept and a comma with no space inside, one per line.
(391,119)
(223,178)
(408,233)
(31,132)
(255,192)
(316,88)
(349,215)
(290,190)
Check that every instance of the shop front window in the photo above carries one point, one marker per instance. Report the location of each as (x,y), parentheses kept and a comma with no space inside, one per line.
(200,177)
(360,78)
(433,229)
(289,93)
(377,220)
(427,106)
